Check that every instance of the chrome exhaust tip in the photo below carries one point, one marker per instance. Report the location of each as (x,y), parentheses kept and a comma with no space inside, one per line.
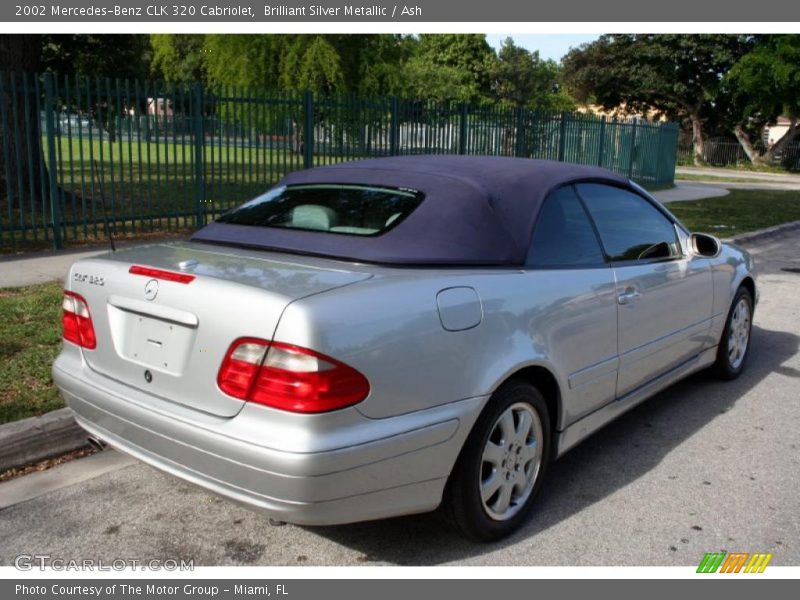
(96,443)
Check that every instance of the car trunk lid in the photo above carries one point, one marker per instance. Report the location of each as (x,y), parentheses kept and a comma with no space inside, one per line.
(167,337)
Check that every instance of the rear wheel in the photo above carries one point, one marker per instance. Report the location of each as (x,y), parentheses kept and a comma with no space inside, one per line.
(500,470)
(735,342)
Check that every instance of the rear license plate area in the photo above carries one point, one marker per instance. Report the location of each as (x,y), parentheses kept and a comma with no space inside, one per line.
(151,342)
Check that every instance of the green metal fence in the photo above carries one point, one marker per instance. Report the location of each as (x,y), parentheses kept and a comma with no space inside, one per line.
(157,157)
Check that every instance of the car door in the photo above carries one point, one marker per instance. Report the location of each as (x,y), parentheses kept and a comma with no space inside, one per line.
(572,286)
(664,297)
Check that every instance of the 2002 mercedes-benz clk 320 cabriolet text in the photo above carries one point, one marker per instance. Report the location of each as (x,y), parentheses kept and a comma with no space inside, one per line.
(383,337)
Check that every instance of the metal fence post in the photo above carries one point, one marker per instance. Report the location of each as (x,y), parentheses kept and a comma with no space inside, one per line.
(632,153)
(462,130)
(659,170)
(52,163)
(199,159)
(308,130)
(601,145)
(520,145)
(674,132)
(562,137)
(394,126)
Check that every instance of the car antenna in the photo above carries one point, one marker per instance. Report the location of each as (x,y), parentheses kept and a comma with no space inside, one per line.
(103,204)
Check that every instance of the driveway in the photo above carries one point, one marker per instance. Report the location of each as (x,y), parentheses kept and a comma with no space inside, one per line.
(704,466)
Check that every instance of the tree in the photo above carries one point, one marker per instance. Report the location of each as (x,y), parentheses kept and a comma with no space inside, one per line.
(677,75)
(24,56)
(372,64)
(762,86)
(248,61)
(523,79)
(22,170)
(178,58)
(319,68)
(427,81)
(450,66)
(94,55)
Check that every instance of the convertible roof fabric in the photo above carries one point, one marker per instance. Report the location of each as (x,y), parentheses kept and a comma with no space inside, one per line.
(478,210)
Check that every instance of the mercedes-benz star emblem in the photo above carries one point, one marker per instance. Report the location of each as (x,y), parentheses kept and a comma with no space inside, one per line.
(151,289)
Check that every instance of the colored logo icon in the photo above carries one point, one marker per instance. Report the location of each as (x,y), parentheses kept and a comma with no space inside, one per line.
(734,562)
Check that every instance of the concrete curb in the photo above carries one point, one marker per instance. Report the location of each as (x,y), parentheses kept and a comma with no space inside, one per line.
(38,438)
(763,234)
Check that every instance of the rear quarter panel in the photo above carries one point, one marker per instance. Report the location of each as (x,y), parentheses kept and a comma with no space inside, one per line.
(389,329)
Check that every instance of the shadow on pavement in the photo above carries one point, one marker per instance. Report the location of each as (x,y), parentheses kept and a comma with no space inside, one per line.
(606,462)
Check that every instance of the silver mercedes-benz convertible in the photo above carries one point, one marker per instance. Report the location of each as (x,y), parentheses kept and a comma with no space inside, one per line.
(383,337)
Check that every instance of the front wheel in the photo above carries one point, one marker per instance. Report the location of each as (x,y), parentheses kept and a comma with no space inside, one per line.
(735,342)
(500,470)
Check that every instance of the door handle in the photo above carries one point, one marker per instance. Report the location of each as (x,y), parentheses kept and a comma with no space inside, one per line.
(628,296)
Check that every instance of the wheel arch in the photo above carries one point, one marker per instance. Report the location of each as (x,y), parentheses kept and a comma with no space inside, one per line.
(749,284)
(544,380)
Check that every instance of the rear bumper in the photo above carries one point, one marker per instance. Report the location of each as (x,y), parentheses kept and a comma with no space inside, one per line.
(401,469)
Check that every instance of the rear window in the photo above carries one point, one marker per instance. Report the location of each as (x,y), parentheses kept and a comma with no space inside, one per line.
(332,208)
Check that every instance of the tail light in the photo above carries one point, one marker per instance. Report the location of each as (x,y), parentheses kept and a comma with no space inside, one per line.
(289,377)
(77,321)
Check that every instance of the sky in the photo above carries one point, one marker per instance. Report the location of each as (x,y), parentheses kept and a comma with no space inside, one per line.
(549,46)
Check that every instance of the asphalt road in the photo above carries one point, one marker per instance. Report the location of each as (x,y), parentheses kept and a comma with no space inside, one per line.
(704,466)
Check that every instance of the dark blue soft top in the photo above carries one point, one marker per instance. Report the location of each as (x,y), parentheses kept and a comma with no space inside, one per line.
(478,210)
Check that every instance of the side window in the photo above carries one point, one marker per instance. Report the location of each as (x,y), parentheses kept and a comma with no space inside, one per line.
(564,236)
(629,226)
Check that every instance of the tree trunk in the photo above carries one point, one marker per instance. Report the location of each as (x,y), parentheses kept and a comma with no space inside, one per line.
(768,156)
(23,175)
(746,144)
(698,140)
(785,140)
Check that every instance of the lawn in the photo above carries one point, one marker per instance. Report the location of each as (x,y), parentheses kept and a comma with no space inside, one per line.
(739,212)
(718,179)
(30,338)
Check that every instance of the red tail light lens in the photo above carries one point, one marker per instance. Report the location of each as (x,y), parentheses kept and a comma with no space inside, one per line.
(77,321)
(289,377)
(161,274)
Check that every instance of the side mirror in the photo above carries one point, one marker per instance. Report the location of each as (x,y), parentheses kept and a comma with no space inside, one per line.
(705,245)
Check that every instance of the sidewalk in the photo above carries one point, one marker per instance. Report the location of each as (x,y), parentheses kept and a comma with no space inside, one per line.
(19,270)
(40,267)
(684,191)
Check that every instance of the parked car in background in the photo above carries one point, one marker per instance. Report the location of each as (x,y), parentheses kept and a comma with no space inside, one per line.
(382,337)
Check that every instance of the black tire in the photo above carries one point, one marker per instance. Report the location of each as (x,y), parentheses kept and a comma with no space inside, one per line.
(725,367)
(463,505)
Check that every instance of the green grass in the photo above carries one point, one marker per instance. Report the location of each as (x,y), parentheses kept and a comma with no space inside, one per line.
(753,168)
(30,339)
(718,179)
(739,212)
(742,166)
